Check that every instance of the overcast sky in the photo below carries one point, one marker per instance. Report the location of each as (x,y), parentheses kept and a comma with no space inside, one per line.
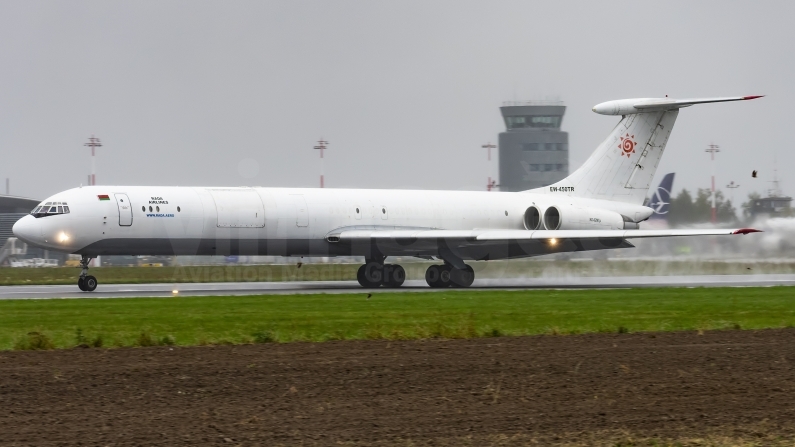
(236,93)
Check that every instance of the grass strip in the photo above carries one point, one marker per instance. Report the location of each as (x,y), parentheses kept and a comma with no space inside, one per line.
(44,324)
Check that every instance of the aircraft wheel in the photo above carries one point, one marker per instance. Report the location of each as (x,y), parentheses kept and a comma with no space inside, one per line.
(438,276)
(444,275)
(81,283)
(90,283)
(462,278)
(394,275)
(370,275)
(432,276)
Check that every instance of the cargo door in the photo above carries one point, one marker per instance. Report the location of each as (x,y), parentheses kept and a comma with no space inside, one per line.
(125,209)
(238,208)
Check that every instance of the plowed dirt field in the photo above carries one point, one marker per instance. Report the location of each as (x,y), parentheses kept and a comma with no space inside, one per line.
(730,386)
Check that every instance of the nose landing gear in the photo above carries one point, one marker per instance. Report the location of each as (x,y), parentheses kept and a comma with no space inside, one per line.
(86,282)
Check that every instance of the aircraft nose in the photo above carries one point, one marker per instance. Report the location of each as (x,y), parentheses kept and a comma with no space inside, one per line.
(28,229)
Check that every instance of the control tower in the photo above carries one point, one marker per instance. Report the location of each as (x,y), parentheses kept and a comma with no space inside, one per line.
(534,152)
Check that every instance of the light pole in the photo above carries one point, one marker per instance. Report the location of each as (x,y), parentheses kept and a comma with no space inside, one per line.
(321,146)
(93,143)
(490,183)
(732,186)
(712,149)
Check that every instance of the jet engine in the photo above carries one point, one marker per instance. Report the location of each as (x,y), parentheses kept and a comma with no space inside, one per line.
(569,217)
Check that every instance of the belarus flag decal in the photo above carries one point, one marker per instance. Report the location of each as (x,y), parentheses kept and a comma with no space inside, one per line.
(103,197)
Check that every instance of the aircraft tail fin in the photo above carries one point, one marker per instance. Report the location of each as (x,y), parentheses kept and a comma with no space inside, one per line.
(660,200)
(623,166)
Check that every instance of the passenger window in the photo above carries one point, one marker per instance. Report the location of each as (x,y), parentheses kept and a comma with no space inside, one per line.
(158,208)
(143,208)
(178,209)
(150,209)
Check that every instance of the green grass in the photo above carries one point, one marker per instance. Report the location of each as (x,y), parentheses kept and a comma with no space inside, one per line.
(414,270)
(453,314)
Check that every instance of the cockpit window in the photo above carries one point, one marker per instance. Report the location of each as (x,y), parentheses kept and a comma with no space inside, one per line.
(50,209)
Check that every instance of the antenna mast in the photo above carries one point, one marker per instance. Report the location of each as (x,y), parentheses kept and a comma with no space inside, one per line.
(490,184)
(93,143)
(712,149)
(321,146)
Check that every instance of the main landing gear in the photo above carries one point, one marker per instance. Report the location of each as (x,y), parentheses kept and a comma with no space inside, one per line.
(374,273)
(445,275)
(86,282)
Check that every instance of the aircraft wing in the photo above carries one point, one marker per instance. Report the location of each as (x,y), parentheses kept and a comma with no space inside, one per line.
(603,234)
(355,235)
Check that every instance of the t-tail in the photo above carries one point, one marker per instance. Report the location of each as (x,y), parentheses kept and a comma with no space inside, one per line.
(622,167)
(660,200)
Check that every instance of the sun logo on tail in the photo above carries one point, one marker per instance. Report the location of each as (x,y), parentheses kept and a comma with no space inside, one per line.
(627,145)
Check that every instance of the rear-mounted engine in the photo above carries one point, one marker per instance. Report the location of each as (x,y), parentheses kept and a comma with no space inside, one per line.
(567,217)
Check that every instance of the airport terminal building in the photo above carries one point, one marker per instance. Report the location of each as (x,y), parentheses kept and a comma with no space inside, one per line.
(12,209)
(533,151)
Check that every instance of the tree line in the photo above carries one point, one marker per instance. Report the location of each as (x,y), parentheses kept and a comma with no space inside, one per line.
(687,209)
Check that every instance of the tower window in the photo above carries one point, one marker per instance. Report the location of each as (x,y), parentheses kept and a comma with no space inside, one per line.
(544,147)
(532,122)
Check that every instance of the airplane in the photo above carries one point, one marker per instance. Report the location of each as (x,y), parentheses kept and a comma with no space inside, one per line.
(599,206)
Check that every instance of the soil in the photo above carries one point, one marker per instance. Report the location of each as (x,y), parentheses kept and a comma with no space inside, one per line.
(585,389)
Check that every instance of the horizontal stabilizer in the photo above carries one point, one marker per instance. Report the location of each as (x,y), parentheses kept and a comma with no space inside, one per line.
(641,105)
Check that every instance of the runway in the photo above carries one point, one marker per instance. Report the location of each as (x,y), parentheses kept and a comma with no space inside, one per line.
(312,287)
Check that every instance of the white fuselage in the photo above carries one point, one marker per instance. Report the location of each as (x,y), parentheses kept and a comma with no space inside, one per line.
(144,220)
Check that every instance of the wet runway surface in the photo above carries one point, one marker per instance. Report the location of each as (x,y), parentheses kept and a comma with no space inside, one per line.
(304,287)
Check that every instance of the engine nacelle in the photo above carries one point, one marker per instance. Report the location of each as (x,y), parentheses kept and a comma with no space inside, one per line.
(568,217)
